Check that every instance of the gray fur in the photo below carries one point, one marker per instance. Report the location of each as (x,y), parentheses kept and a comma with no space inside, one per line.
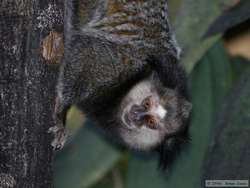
(111,49)
(101,52)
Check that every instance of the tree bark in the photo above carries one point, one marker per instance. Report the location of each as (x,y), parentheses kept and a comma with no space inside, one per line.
(30,49)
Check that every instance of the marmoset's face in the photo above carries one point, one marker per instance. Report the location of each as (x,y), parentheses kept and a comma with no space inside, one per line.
(148,115)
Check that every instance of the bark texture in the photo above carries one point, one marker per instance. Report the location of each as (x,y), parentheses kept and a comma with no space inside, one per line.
(27,90)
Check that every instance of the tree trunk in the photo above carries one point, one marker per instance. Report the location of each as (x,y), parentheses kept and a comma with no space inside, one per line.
(30,49)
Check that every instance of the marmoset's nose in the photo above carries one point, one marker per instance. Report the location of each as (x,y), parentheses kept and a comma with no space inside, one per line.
(137,112)
(137,109)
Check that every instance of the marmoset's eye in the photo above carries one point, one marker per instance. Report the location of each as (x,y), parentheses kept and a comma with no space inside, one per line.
(150,121)
(147,103)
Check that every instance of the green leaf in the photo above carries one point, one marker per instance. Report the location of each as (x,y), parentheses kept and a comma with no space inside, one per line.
(143,172)
(174,6)
(211,80)
(239,66)
(191,24)
(85,160)
(116,176)
(229,154)
(230,18)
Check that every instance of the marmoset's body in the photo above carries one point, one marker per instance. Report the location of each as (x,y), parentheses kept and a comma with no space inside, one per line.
(120,67)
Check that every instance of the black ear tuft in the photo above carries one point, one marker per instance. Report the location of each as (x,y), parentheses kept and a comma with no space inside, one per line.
(171,148)
(170,72)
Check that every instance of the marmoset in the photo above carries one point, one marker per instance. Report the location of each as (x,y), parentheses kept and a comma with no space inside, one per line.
(121,69)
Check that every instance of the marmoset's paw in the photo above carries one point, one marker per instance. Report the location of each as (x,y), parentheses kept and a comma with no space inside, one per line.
(59,137)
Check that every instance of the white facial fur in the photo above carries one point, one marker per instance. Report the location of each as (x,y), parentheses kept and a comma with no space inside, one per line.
(142,137)
(160,111)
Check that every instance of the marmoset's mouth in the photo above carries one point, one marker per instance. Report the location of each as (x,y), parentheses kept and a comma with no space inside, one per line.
(133,119)
(128,119)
